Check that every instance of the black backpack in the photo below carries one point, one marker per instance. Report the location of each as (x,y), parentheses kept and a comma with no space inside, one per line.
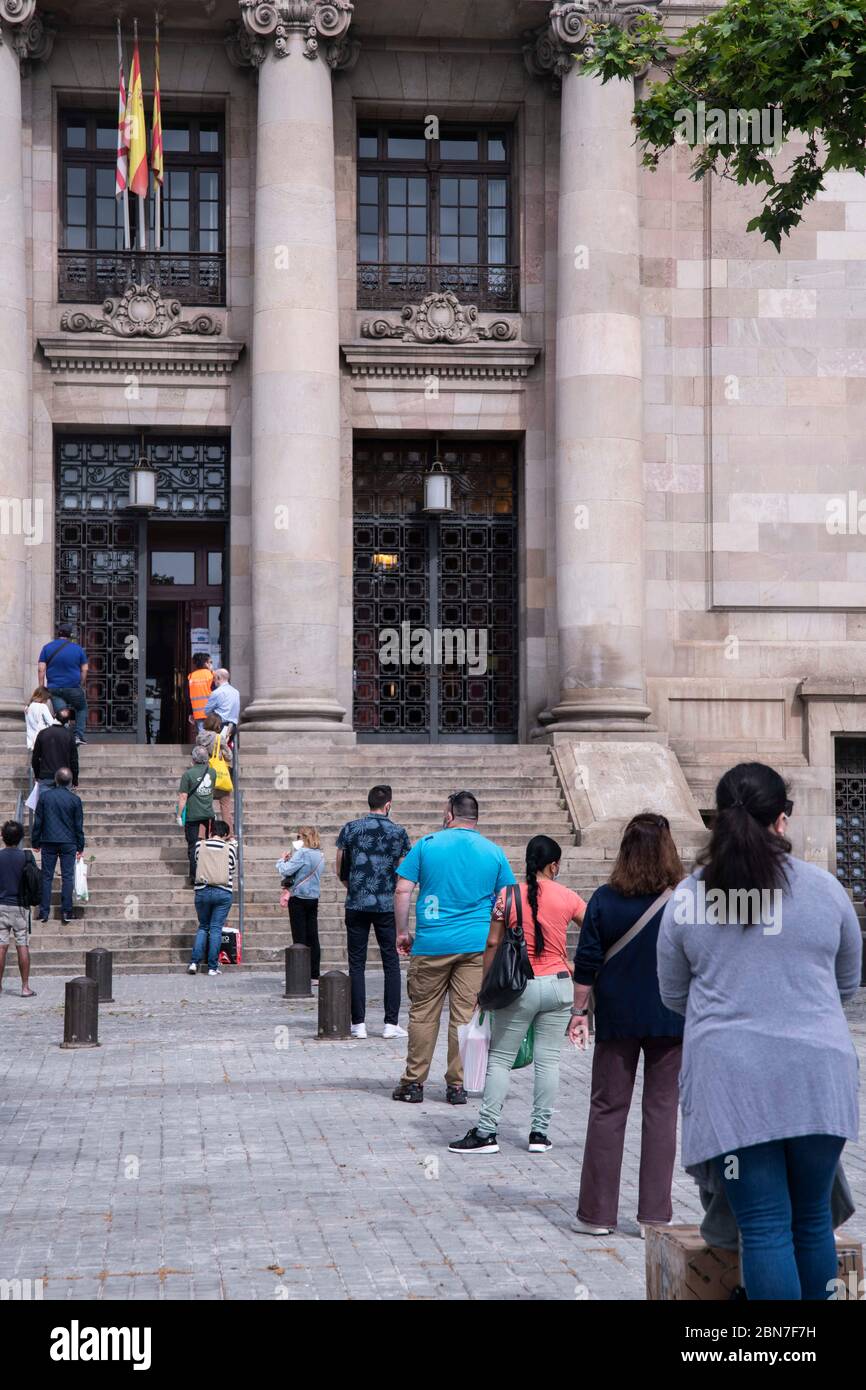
(30,889)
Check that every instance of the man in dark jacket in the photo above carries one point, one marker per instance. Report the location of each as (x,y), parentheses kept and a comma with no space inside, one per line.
(58,831)
(55,747)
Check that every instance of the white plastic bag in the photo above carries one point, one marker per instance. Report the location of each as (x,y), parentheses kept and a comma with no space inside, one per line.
(473,1040)
(82,893)
(33,799)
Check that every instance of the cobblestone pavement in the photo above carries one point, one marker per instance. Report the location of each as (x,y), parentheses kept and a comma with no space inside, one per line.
(212,1148)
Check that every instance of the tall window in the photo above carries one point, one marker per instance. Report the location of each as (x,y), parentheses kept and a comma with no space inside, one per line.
(435,214)
(92,217)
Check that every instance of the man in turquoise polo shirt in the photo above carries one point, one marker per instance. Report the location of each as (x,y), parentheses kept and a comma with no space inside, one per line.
(458,873)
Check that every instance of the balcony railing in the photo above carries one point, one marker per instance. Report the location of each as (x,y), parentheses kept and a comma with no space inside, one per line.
(392,286)
(87,277)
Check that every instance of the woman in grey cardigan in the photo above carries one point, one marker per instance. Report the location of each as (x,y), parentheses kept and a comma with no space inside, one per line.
(759,951)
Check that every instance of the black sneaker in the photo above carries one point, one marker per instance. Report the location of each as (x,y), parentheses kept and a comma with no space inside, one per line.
(413,1092)
(455,1095)
(539,1143)
(475,1143)
(66,921)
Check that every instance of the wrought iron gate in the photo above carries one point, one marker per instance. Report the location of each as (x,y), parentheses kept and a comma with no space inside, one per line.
(97,551)
(435,600)
(851,816)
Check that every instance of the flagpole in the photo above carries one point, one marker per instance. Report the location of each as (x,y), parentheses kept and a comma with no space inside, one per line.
(142,225)
(127,236)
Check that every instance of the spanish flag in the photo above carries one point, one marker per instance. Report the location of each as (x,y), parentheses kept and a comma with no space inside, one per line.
(138,179)
(156,145)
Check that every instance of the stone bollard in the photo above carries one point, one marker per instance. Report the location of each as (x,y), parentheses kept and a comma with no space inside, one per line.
(335,1015)
(97,965)
(298,973)
(81,1016)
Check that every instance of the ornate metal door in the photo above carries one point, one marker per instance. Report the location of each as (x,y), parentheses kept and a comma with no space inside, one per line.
(851,816)
(435,600)
(97,552)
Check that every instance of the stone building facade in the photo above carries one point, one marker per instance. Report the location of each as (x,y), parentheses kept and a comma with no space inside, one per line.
(407,232)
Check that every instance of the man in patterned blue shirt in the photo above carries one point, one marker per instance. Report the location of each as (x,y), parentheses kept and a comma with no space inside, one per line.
(374,846)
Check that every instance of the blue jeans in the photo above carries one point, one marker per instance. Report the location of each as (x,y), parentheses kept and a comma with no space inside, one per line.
(50,855)
(74,698)
(212,906)
(781,1200)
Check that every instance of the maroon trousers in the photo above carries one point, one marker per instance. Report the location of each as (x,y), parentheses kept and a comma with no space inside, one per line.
(614,1066)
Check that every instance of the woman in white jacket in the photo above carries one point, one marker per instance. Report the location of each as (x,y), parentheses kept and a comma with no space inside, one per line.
(39,714)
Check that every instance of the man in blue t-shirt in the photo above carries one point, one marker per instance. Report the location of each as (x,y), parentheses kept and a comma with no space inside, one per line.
(63,670)
(459,874)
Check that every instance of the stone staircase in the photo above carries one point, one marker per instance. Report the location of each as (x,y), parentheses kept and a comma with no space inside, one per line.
(141,910)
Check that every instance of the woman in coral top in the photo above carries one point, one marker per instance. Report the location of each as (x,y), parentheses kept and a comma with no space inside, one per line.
(547,909)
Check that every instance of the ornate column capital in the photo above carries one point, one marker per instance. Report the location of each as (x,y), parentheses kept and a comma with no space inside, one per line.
(323,23)
(31,36)
(551,50)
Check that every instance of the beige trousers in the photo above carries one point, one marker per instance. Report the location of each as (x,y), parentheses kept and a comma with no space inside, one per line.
(429,979)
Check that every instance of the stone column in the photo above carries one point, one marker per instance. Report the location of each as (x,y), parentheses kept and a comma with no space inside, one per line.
(599,401)
(295,44)
(23,520)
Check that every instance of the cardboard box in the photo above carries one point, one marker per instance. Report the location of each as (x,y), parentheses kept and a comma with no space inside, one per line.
(682,1269)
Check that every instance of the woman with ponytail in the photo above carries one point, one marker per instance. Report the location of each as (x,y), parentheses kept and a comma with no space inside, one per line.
(547,908)
(760,950)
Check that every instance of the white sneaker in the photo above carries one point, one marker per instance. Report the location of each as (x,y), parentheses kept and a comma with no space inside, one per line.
(214,972)
(644,1224)
(393,1030)
(584,1229)
(359,1030)
(192,968)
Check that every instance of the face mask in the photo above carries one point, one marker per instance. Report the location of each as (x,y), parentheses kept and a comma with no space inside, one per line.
(297,844)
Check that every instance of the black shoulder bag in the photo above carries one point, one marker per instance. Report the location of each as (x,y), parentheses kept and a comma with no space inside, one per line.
(510,972)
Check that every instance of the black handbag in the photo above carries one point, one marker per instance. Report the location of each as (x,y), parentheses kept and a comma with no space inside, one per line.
(510,972)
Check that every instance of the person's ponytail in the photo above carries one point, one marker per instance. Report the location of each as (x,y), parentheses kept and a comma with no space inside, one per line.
(744,852)
(540,852)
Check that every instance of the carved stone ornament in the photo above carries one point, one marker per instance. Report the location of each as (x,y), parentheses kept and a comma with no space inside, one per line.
(140,313)
(440,318)
(551,50)
(323,23)
(31,36)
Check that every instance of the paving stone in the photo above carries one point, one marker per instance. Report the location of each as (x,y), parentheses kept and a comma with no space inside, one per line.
(190,1158)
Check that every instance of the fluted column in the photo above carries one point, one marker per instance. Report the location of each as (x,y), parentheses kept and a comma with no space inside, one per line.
(22,520)
(599,404)
(295,365)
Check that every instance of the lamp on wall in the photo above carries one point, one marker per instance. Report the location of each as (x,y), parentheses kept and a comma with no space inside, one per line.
(142,483)
(437,488)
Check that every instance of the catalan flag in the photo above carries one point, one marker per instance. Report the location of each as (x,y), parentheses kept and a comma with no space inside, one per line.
(156,150)
(138,179)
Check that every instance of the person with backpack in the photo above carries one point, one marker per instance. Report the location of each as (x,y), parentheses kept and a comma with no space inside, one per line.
(215,860)
(20,889)
(301,873)
(760,951)
(62,668)
(211,737)
(195,803)
(616,957)
(544,909)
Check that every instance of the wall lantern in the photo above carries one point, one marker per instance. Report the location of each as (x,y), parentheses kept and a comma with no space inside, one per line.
(437,489)
(142,485)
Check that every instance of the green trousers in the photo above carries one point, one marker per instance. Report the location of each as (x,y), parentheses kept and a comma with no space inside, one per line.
(546,1002)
